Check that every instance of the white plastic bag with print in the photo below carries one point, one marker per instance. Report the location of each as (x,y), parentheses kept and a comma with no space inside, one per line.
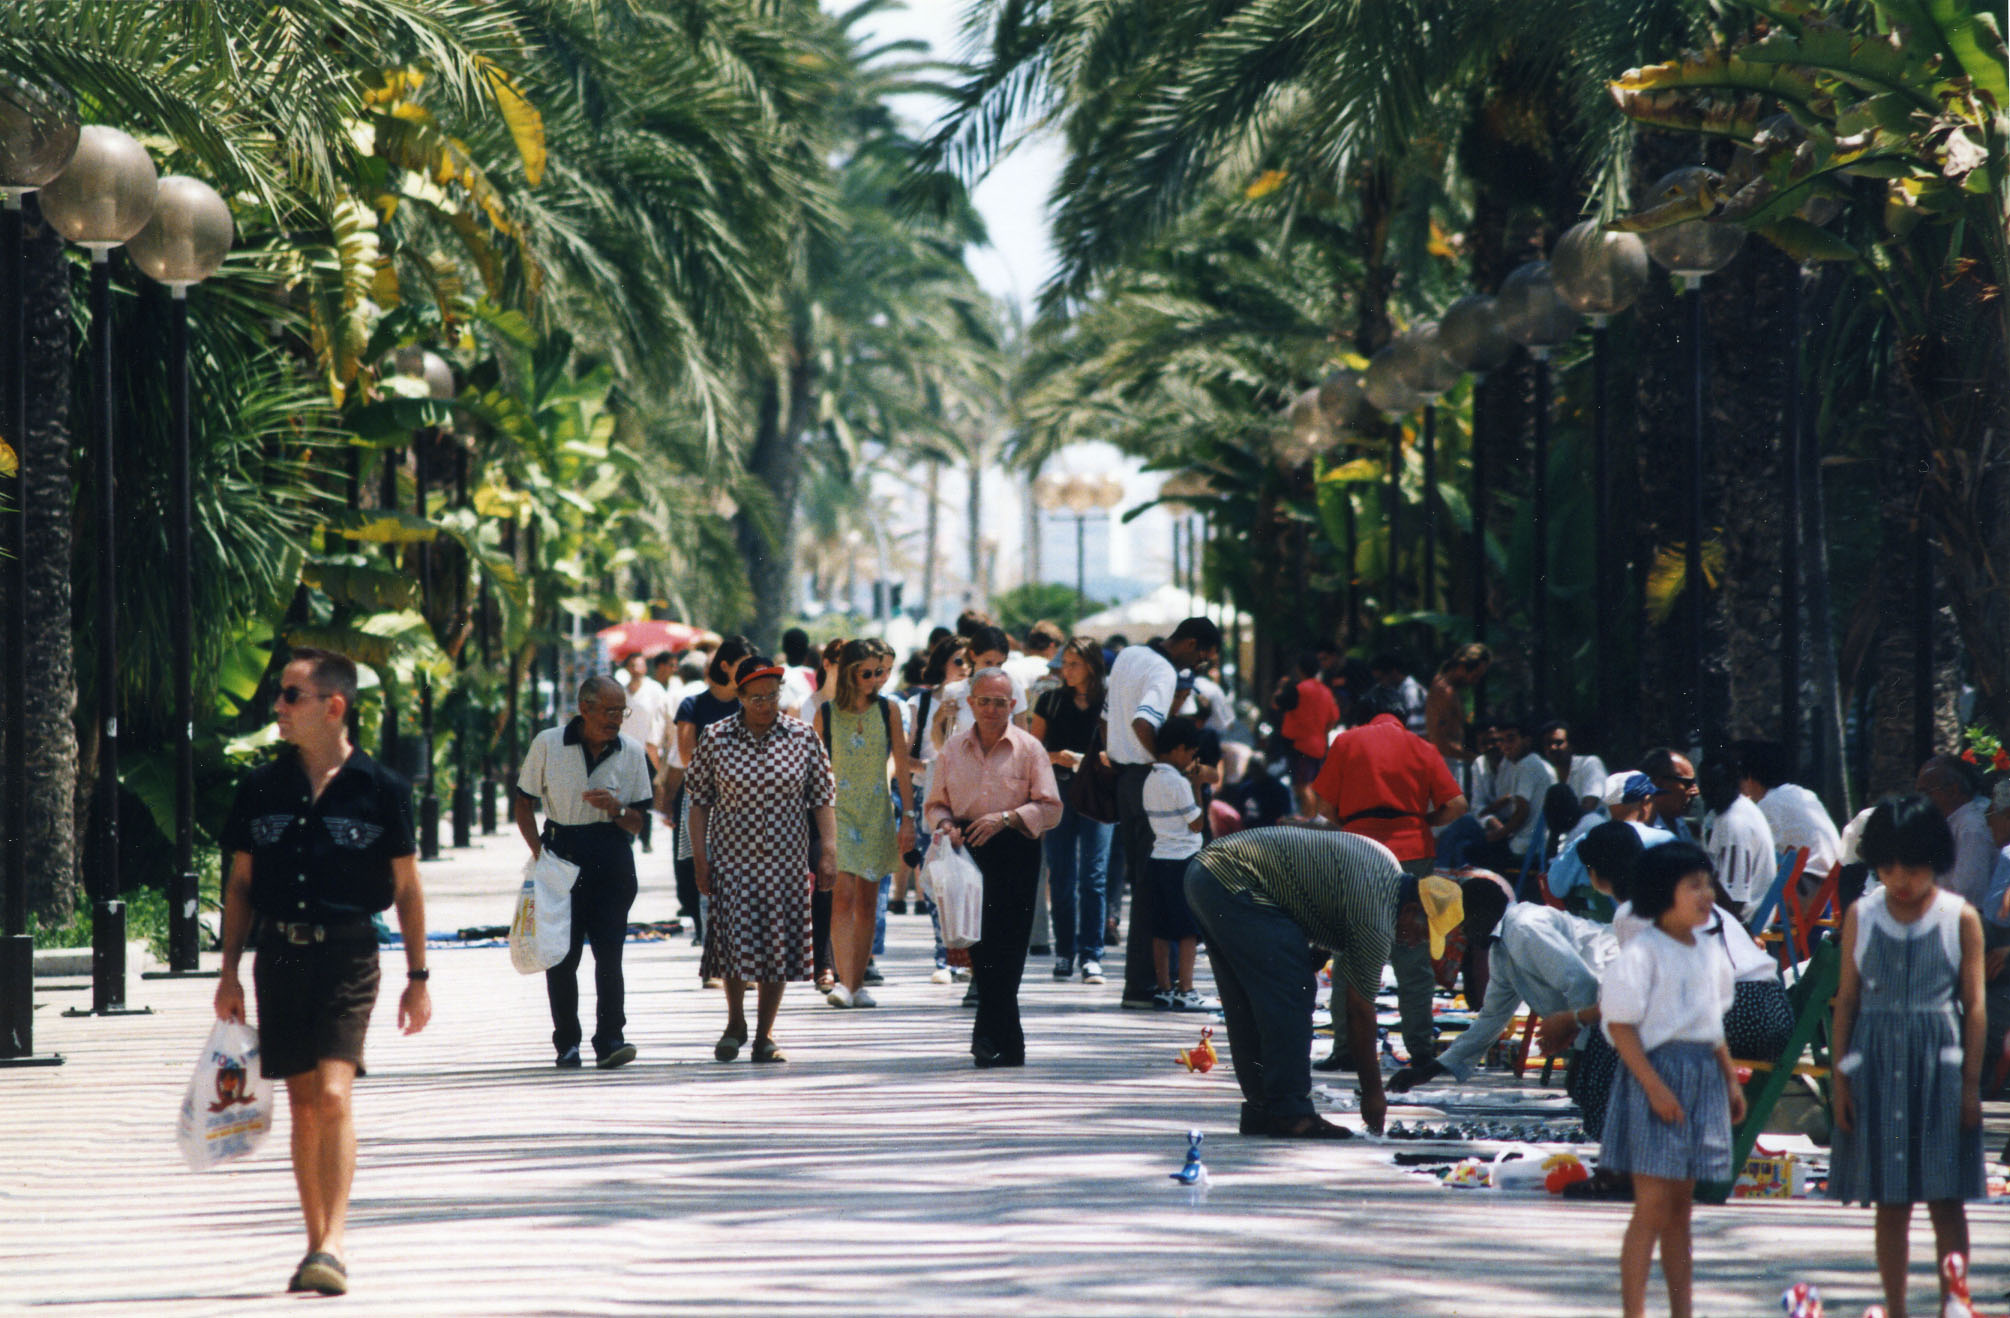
(951,880)
(227,1109)
(541,933)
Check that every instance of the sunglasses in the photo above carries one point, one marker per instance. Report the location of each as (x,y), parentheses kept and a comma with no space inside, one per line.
(293,695)
(774,699)
(867,674)
(1678,782)
(992,702)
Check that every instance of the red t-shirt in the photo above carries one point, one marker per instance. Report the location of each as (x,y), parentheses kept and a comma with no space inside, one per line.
(1386,766)
(1306,726)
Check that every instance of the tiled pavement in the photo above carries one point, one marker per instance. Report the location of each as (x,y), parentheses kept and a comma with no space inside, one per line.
(875,1173)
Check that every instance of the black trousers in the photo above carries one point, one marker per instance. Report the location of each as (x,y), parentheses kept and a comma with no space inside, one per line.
(688,903)
(1141,983)
(601,899)
(820,931)
(1010,864)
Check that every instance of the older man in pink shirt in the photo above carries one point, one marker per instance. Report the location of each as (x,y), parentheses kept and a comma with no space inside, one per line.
(994,793)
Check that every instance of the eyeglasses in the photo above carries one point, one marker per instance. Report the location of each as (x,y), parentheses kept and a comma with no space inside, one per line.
(991,702)
(868,674)
(774,699)
(293,695)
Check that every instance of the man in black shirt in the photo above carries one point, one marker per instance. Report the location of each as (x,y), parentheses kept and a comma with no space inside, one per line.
(319,841)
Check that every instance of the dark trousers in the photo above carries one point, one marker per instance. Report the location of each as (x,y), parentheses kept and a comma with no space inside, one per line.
(1141,982)
(820,931)
(688,901)
(600,901)
(1010,864)
(1266,984)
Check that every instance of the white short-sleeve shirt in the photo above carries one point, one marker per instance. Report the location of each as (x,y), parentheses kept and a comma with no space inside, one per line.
(1740,843)
(1671,992)
(1141,686)
(557,773)
(1169,804)
(1530,778)
(1748,960)
(1799,819)
(647,718)
(1587,776)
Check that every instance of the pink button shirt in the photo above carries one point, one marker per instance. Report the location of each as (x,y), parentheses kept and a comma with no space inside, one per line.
(1016,777)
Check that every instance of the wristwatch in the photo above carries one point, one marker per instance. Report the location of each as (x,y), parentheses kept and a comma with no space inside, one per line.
(419,976)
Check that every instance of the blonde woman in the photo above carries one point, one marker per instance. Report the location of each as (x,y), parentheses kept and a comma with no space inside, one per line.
(862,731)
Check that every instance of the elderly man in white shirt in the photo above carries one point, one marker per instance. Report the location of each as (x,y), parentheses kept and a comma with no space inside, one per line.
(1943,781)
(1796,815)
(1737,837)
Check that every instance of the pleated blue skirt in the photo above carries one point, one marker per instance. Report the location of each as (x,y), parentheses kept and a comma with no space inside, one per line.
(1698,1148)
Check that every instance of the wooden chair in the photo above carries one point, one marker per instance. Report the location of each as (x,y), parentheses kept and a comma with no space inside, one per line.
(1813,999)
(1798,922)
(1789,873)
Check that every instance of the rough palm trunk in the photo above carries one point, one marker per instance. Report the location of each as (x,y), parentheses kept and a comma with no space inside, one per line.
(776,461)
(932,530)
(974,532)
(50,498)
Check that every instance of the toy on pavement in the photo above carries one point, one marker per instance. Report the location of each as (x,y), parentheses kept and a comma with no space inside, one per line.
(1202,1056)
(1567,1169)
(1954,1271)
(1801,1300)
(1195,1171)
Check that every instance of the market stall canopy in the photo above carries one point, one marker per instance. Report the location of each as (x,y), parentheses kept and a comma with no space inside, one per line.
(649,636)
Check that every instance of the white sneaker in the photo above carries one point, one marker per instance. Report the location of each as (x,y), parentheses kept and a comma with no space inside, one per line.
(1092,972)
(941,975)
(863,998)
(1191,1000)
(839,996)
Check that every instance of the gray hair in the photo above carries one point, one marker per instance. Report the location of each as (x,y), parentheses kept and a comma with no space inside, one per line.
(594,688)
(984,673)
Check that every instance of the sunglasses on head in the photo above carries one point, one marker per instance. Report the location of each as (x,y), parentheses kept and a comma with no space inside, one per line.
(293,695)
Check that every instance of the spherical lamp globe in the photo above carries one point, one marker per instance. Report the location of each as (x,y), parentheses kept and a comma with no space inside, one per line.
(1598,271)
(1692,248)
(1385,386)
(188,236)
(1531,311)
(1421,361)
(106,193)
(38,133)
(1470,334)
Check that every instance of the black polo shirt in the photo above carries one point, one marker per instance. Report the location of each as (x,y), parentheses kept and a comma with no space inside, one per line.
(327,860)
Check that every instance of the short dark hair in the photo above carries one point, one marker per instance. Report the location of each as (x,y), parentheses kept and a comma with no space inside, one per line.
(1660,870)
(968,621)
(1387,660)
(795,646)
(1907,830)
(1764,762)
(730,652)
(1717,782)
(1044,635)
(987,639)
(911,671)
(1613,849)
(1201,631)
(1659,762)
(1552,727)
(1485,901)
(1561,809)
(1376,701)
(1308,663)
(334,673)
(1176,732)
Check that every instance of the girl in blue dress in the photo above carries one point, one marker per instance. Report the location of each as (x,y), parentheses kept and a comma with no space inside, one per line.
(1909,1030)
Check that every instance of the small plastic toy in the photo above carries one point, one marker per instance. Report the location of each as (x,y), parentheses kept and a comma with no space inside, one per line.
(1202,1056)
(1954,1271)
(1567,1169)
(1195,1171)
(1468,1175)
(1801,1300)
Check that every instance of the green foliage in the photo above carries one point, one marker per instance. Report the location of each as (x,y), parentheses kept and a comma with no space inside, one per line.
(1022,606)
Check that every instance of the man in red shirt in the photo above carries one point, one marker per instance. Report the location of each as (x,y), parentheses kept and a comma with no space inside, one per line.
(1309,717)
(1383,781)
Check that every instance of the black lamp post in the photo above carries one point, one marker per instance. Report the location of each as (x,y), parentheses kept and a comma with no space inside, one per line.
(105,196)
(1471,338)
(183,244)
(1389,392)
(1535,317)
(1601,273)
(439,379)
(1341,399)
(38,136)
(1693,249)
(1421,361)
(464,791)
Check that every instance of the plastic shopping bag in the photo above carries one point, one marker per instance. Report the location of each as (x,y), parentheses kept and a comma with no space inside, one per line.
(540,935)
(951,880)
(227,1109)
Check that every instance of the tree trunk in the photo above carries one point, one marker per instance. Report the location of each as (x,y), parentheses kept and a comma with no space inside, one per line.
(974,495)
(932,530)
(769,545)
(50,497)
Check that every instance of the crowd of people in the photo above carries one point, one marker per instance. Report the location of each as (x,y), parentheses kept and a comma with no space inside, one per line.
(1112,794)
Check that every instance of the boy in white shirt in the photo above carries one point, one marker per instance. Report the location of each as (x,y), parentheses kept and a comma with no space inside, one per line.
(1172,803)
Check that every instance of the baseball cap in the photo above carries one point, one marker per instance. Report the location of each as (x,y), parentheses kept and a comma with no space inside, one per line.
(1628,788)
(1444,908)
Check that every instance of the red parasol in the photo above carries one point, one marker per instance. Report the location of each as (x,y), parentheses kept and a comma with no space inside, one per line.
(650,636)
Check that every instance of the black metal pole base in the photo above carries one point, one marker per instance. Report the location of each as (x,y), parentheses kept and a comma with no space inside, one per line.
(429,827)
(464,813)
(179,974)
(488,807)
(184,926)
(108,963)
(17,1004)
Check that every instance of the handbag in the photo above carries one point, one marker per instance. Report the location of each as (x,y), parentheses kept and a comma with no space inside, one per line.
(1092,793)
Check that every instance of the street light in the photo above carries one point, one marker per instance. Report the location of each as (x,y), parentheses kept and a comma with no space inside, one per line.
(1471,338)
(1388,391)
(38,135)
(1341,403)
(1693,249)
(419,364)
(1536,316)
(183,244)
(1079,496)
(1421,361)
(1601,273)
(105,196)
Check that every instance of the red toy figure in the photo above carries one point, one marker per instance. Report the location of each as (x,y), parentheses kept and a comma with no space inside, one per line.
(1954,1273)
(1200,1057)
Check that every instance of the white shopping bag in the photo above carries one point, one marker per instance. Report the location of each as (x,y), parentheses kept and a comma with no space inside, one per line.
(540,935)
(227,1109)
(951,880)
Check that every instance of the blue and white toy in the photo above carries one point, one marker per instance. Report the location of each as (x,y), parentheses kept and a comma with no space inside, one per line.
(1195,1171)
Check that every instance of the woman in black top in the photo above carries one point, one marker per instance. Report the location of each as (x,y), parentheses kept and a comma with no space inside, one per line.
(1066,720)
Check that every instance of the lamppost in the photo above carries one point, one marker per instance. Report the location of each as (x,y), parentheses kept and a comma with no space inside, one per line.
(1079,497)
(1534,316)
(439,379)
(1693,249)
(183,244)
(38,136)
(1388,392)
(104,196)
(1422,364)
(1601,273)
(1341,399)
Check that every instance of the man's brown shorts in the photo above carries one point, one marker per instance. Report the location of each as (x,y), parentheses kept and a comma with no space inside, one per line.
(314,1001)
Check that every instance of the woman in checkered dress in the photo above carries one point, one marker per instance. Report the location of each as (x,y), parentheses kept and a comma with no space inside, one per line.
(754,785)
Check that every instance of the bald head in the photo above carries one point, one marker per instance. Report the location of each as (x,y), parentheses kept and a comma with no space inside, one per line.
(595,691)
(1943,781)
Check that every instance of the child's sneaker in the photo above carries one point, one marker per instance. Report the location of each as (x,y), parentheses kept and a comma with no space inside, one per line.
(1191,1000)
(1092,972)
(1165,1000)
(1064,967)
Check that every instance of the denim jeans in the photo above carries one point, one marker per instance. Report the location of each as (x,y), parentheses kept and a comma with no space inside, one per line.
(1078,857)
(879,918)
(1267,987)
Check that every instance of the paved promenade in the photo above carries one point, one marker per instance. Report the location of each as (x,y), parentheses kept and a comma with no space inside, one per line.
(876,1172)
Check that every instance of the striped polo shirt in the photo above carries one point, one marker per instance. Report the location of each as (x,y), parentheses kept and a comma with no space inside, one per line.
(1340,888)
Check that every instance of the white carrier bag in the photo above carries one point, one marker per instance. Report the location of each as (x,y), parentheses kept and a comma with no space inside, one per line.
(227,1109)
(951,880)
(541,933)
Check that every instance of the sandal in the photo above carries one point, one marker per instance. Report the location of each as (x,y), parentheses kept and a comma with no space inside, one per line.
(728,1046)
(765,1051)
(322,1273)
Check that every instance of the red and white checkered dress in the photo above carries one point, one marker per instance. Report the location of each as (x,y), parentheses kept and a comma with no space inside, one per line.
(757,793)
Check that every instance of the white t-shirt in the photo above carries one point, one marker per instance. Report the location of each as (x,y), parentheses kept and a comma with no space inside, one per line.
(1027,670)
(647,718)
(1219,716)
(1799,819)
(1671,992)
(1587,777)
(1169,804)
(1140,687)
(797,685)
(1740,843)
(555,772)
(1530,778)
(1747,959)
